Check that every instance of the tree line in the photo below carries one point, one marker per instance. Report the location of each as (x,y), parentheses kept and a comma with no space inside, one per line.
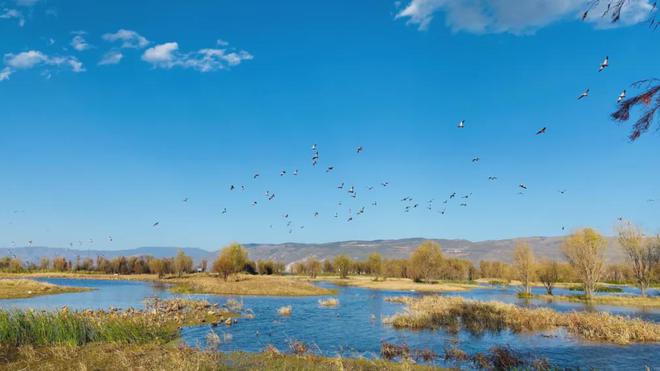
(583,250)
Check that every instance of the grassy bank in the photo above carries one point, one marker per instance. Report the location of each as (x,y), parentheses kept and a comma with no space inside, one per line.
(158,322)
(159,357)
(455,313)
(398,284)
(23,288)
(246,285)
(204,283)
(627,300)
(82,275)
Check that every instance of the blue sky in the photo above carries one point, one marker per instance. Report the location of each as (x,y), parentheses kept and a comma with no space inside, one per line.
(207,93)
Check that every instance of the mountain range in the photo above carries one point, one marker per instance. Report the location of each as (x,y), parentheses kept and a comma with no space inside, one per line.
(543,247)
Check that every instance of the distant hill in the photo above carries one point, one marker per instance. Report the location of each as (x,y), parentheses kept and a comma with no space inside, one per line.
(544,247)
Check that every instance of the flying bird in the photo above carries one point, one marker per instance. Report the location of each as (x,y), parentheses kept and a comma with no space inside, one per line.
(452,195)
(522,186)
(622,96)
(156,224)
(359,150)
(329,169)
(385,184)
(231,187)
(541,131)
(341,186)
(492,178)
(295,172)
(475,159)
(283,173)
(185,199)
(461,124)
(255,176)
(224,211)
(271,197)
(584,94)
(316,213)
(604,64)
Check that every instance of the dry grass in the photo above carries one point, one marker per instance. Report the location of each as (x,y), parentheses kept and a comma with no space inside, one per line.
(169,358)
(627,300)
(22,288)
(83,275)
(285,311)
(399,284)
(246,285)
(455,313)
(329,302)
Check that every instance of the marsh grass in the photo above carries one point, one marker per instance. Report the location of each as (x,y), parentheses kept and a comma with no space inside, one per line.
(247,285)
(623,300)
(24,288)
(399,284)
(168,358)
(455,314)
(329,302)
(598,288)
(159,322)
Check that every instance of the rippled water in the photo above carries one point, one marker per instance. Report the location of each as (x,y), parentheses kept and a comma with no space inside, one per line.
(355,328)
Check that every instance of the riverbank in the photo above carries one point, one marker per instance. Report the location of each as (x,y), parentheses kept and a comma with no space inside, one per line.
(397,284)
(244,284)
(25,288)
(456,313)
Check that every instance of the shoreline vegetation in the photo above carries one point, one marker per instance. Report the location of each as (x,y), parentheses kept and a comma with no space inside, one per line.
(153,356)
(623,300)
(146,339)
(243,284)
(456,313)
(397,284)
(26,288)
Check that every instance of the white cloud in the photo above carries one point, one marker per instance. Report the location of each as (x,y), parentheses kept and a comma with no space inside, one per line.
(13,14)
(167,56)
(111,57)
(129,39)
(5,73)
(79,43)
(161,55)
(34,58)
(515,16)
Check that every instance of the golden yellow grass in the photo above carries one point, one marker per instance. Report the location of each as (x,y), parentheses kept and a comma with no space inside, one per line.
(329,302)
(23,288)
(623,300)
(399,284)
(247,285)
(169,358)
(83,275)
(457,313)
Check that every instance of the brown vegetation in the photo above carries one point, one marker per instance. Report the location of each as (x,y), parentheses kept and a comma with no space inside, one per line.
(455,313)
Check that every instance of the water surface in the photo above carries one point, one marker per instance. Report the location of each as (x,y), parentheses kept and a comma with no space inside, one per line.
(355,328)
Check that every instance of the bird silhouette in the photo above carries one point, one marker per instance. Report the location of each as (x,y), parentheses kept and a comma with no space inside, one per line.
(541,131)
(584,94)
(461,124)
(359,149)
(622,96)
(604,64)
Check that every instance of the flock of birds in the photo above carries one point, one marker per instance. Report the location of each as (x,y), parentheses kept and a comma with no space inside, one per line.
(408,202)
